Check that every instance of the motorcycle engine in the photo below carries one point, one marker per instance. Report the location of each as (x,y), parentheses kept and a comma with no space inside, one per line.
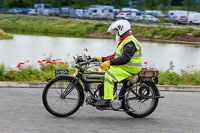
(116,104)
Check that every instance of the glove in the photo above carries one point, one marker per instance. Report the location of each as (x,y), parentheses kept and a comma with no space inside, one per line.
(105,65)
(98,58)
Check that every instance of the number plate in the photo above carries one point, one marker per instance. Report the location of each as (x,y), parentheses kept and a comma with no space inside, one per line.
(61,73)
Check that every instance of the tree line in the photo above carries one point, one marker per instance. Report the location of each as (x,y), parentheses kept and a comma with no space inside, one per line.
(164,5)
(192,5)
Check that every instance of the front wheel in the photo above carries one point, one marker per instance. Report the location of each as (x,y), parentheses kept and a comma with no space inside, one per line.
(140,101)
(62,96)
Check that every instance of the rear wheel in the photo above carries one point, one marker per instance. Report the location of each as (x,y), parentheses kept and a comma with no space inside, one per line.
(61,96)
(140,101)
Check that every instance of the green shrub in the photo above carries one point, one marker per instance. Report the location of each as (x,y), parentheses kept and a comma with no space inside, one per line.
(196,33)
(169,76)
(189,78)
(47,67)
(2,72)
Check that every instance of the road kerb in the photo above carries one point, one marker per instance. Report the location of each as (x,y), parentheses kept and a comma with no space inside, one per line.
(5,84)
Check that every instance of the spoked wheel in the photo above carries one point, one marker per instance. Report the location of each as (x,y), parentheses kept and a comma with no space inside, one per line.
(140,102)
(61,97)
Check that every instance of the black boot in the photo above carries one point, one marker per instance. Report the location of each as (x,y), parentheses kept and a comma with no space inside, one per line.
(103,103)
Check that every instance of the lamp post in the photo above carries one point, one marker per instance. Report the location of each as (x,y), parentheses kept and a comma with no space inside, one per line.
(188,6)
(130,3)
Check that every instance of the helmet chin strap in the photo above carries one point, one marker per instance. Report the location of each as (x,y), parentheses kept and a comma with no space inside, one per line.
(117,39)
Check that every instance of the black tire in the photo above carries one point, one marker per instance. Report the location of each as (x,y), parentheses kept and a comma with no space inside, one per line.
(55,90)
(128,105)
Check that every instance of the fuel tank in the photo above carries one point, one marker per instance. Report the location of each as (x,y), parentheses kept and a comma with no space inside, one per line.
(94,77)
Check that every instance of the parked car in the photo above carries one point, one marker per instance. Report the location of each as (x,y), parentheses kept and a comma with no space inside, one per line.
(32,12)
(138,18)
(154,12)
(194,18)
(124,15)
(15,11)
(180,19)
(148,18)
(25,11)
(132,10)
(115,12)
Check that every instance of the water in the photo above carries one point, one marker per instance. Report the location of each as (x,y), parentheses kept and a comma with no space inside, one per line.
(34,48)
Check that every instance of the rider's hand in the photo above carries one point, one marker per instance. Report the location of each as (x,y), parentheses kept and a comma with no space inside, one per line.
(98,58)
(105,65)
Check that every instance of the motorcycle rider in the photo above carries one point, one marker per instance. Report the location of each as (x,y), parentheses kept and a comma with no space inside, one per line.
(125,62)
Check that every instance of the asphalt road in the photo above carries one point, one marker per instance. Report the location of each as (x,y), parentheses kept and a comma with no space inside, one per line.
(22,111)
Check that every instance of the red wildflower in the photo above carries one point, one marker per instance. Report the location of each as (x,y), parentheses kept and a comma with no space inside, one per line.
(27,61)
(48,60)
(145,62)
(192,65)
(43,60)
(39,61)
(53,60)
(188,67)
(19,64)
(43,66)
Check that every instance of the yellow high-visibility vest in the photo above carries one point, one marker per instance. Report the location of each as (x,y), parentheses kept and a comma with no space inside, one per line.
(134,66)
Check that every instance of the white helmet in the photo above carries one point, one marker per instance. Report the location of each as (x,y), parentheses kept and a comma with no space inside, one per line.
(121,25)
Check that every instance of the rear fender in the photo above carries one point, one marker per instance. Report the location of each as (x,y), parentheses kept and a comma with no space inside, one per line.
(153,85)
(125,87)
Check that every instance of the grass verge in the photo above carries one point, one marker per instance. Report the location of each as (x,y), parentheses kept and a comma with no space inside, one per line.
(4,35)
(81,28)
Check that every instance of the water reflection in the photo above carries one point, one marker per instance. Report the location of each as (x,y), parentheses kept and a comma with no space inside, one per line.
(33,48)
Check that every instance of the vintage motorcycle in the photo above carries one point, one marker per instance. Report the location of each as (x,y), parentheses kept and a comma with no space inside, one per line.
(137,95)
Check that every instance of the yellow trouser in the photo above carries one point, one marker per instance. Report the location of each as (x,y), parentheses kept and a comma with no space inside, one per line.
(112,75)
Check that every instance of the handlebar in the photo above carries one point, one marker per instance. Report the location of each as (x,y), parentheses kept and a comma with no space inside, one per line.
(87,62)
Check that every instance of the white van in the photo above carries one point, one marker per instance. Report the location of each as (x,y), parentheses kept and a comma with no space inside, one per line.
(101,12)
(194,18)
